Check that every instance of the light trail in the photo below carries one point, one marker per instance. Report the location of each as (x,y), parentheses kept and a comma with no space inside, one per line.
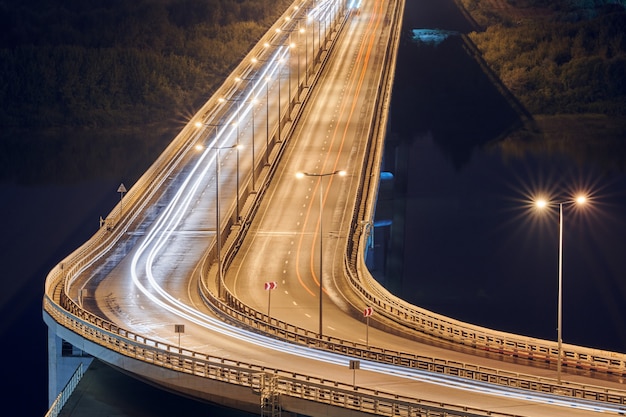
(171,218)
(212,324)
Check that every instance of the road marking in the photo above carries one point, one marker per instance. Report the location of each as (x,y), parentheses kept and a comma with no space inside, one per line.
(270,233)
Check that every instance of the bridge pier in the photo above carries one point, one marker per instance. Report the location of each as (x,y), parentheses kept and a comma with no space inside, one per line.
(63,360)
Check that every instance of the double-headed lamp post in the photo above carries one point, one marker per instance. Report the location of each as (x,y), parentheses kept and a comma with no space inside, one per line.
(218,236)
(543,204)
(341,173)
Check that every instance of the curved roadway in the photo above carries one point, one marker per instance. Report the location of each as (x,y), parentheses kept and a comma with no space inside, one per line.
(150,290)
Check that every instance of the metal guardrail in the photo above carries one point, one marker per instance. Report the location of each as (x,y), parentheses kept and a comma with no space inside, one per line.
(95,328)
(398,310)
(286,383)
(235,311)
(417,319)
(480,338)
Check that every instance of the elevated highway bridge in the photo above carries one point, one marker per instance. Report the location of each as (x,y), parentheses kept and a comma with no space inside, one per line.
(222,276)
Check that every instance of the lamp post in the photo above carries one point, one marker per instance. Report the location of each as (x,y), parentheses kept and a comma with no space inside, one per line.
(267,112)
(218,230)
(267,120)
(542,204)
(218,227)
(253,103)
(321,199)
(222,100)
(278,77)
(306,61)
(289,98)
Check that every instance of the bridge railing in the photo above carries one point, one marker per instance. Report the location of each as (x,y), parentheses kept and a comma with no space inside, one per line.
(399,311)
(422,321)
(234,310)
(372,294)
(284,383)
(426,322)
(150,185)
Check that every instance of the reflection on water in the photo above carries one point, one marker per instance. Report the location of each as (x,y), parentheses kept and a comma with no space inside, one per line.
(454,231)
(54,187)
(72,155)
(432,36)
(587,139)
(446,92)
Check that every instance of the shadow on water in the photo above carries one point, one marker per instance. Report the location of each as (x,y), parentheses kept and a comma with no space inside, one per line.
(443,91)
(54,186)
(71,156)
(451,234)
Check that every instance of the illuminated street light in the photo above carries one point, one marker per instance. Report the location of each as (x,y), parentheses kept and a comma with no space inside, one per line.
(544,204)
(320,177)
(289,98)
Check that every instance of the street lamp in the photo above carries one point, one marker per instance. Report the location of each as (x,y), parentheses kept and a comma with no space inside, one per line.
(222,100)
(218,230)
(267,112)
(217,215)
(543,204)
(289,101)
(306,56)
(341,173)
(267,120)
(278,77)
(253,103)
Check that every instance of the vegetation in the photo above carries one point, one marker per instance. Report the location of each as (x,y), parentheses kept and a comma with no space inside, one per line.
(103,63)
(97,88)
(558,57)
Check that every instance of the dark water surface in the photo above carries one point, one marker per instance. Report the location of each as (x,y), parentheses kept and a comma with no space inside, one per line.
(463,240)
(461,246)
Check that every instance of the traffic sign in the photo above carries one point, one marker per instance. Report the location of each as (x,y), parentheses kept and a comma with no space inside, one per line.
(368,311)
(271,285)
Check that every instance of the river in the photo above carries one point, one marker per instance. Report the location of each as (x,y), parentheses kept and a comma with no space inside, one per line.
(457,232)
(462,241)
